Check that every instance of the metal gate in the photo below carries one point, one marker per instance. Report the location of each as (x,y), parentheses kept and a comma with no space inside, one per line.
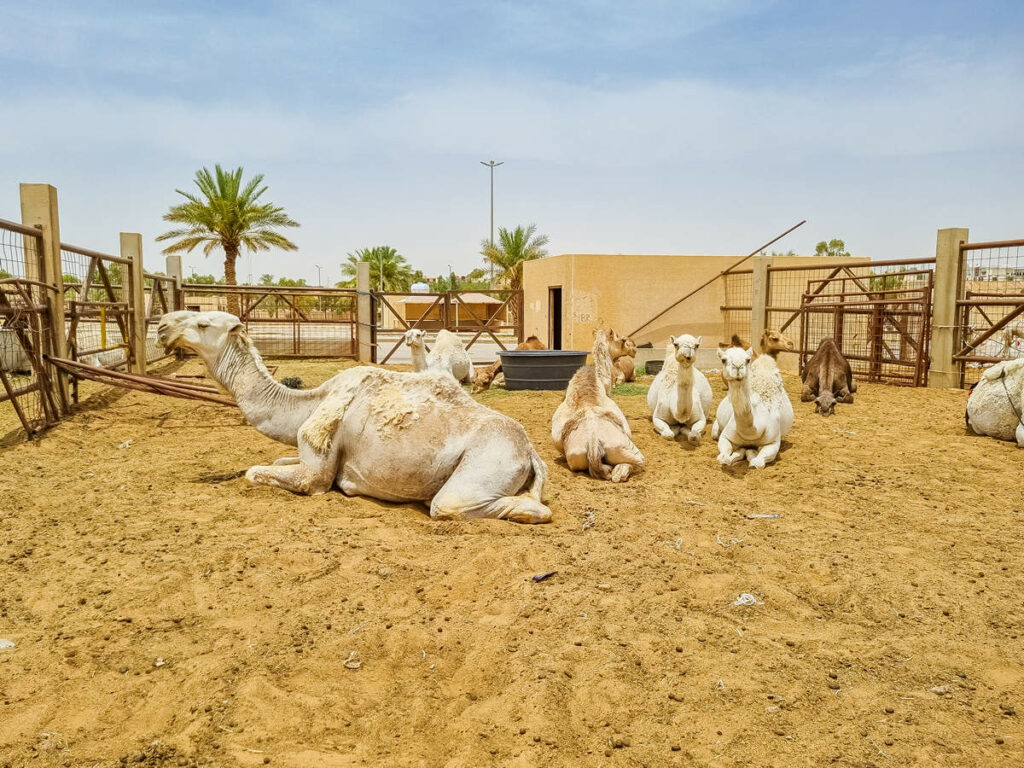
(286,321)
(471,314)
(991,310)
(881,322)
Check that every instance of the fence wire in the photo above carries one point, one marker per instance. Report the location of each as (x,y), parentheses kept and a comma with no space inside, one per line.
(737,308)
(96,306)
(993,297)
(28,400)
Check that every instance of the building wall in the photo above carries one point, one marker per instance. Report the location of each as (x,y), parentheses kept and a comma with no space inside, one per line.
(623,292)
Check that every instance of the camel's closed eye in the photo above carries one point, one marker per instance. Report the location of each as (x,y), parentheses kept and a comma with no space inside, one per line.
(203,325)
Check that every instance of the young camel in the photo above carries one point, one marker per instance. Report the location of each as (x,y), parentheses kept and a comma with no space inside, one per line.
(828,378)
(487,375)
(680,397)
(448,354)
(623,351)
(765,376)
(373,432)
(758,419)
(589,429)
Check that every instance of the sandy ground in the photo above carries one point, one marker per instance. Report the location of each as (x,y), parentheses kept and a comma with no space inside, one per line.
(165,615)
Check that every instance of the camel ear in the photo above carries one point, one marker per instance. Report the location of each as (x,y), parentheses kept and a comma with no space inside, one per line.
(672,339)
(750,354)
(721,354)
(698,342)
(239,330)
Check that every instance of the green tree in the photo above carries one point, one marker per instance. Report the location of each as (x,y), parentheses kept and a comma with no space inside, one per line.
(512,249)
(834,248)
(880,281)
(389,271)
(227,214)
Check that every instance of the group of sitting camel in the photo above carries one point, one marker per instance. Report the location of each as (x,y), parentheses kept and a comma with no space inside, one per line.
(419,436)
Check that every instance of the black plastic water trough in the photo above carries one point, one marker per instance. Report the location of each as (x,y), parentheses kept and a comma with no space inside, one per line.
(540,368)
(653,367)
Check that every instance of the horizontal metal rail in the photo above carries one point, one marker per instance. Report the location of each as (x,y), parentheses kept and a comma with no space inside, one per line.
(21,229)
(94,254)
(991,244)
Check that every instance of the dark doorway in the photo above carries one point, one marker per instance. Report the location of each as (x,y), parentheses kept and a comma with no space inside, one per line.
(555,318)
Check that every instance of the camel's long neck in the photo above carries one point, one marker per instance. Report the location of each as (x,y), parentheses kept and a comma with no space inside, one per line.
(684,386)
(269,406)
(739,397)
(419,357)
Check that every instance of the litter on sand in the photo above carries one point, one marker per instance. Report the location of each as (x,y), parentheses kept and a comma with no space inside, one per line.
(542,576)
(5,644)
(125,444)
(761,517)
(747,599)
(353,662)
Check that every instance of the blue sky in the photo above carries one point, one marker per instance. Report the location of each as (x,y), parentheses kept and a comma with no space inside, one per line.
(643,127)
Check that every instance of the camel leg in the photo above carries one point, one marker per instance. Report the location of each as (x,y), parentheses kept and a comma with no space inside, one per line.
(310,474)
(697,430)
(844,396)
(285,460)
(663,429)
(626,460)
(766,455)
(807,394)
(483,487)
(727,452)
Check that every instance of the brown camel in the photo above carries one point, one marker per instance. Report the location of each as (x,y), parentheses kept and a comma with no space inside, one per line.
(828,379)
(623,353)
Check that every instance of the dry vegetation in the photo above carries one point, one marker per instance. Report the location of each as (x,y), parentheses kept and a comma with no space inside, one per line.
(166,613)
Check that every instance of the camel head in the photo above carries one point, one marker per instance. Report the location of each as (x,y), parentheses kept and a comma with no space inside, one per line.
(205,333)
(414,337)
(773,342)
(734,362)
(686,347)
(825,403)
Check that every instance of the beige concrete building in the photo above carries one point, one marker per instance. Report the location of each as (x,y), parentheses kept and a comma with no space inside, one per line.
(570,295)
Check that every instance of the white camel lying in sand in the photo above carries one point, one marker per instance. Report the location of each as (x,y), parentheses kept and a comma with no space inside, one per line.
(758,419)
(448,354)
(589,429)
(996,406)
(765,380)
(372,432)
(680,396)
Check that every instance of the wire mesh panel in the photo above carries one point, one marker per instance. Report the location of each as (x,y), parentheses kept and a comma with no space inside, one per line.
(29,397)
(285,322)
(96,306)
(161,296)
(991,312)
(737,308)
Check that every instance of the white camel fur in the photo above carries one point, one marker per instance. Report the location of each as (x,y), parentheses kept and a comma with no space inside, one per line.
(589,429)
(758,420)
(765,380)
(996,405)
(680,397)
(448,354)
(373,432)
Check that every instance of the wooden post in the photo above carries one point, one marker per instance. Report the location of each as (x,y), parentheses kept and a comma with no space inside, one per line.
(39,209)
(760,291)
(174,270)
(131,248)
(948,287)
(364,313)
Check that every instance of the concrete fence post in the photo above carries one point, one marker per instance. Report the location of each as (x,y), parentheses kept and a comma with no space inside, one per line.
(39,209)
(760,290)
(173,263)
(947,288)
(364,313)
(131,248)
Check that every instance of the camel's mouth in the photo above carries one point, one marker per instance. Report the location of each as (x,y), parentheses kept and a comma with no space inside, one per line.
(167,338)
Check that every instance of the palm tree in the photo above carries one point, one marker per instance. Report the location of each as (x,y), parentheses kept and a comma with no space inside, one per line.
(389,271)
(227,214)
(509,253)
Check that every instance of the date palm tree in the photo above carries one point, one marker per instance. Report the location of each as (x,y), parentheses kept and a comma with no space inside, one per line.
(227,214)
(389,271)
(508,254)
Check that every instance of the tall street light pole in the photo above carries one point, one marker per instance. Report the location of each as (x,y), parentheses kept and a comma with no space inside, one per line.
(492,165)
(318,279)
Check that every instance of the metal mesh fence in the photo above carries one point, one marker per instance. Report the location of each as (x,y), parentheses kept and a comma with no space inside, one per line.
(160,299)
(877,312)
(28,399)
(737,307)
(285,322)
(991,313)
(96,306)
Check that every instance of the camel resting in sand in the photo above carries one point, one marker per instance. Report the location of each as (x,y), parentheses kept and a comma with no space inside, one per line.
(828,378)
(485,377)
(623,353)
(448,355)
(373,432)
(996,404)
(589,429)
